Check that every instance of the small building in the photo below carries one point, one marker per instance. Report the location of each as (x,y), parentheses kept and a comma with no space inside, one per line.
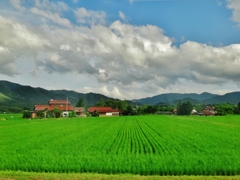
(209,111)
(194,112)
(64,106)
(80,111)
(175,111)
(104,111)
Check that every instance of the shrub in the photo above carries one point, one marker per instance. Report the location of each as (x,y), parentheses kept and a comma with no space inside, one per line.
(26,114)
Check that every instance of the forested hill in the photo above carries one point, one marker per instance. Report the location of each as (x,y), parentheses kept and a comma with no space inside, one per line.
(19,96)
(204,98)
(173,98)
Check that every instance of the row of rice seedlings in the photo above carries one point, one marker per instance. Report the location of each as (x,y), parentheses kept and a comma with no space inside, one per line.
(170,157)
(163,156)
(66,149)
(202,140)
(207,141)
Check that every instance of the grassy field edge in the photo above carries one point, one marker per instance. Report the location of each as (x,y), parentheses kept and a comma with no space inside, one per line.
(20,175)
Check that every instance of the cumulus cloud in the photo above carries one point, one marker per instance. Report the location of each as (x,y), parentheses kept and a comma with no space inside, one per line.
(52,16)
(122,58)
(234,5)
(17,41)
(113,92)
(85,16)
(57,7)
(122,15)
(17,4)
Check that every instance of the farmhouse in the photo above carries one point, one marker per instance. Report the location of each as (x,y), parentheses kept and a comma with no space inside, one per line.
(64,106)
(209,110)
(104,111)
(194,112)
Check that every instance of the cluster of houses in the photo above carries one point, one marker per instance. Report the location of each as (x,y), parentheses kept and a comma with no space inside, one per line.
(207,111)
(65,107)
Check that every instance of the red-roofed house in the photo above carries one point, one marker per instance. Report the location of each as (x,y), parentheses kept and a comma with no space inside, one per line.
(104,111)
(208,111)
(62,105)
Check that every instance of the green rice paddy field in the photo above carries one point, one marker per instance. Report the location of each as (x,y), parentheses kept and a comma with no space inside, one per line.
(143,145)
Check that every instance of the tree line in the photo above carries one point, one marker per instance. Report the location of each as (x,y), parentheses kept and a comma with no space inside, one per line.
(182,108)
(129,108)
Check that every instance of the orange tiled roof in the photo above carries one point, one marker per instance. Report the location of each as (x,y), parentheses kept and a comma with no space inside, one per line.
(40,107)
(102,109)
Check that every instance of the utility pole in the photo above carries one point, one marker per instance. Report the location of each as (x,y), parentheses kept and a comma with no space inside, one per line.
(67,107)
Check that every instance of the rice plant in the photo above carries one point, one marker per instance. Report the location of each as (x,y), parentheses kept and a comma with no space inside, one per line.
(146,145)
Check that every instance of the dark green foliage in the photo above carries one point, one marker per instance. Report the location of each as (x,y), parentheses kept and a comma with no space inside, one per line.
(184,108)
(87,114)
(95,114)
(101,103)
(113,103)
(10,109)
(129,110)
(225,109)
(238,107)
(72,114)
(26,114)
(40,114)
(50,114)
(81,103)
(57,113)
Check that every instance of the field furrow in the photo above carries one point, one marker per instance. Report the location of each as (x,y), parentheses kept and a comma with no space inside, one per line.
(146,145)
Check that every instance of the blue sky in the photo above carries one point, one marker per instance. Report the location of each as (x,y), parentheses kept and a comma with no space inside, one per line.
(123,49)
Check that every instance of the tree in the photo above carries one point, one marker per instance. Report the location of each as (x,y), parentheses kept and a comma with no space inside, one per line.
(95,114)
(224,109)
(56,112)
(26,114)
(129,110)
(80,103)
(238,107)
(101,103)
(184,108)
(72,114)
(40,114)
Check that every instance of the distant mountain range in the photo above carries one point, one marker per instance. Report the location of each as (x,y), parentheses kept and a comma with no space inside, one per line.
(16,95)
(204,98)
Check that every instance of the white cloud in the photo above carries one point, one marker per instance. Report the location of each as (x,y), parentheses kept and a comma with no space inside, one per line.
(90,17)
(122,15)
(16,42)
(17,4)
(119,60)
(234,5)
(57,7)
(113,92)
(52,16)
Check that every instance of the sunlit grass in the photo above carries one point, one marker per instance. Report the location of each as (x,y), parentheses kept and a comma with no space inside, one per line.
(145,145)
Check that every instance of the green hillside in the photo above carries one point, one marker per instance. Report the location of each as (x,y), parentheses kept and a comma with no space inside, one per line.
(17,96)
(4,97)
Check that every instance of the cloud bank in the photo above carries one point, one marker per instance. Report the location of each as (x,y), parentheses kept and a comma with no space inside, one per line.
(121,57)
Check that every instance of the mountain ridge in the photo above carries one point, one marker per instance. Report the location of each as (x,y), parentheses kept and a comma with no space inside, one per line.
(24,96)
(17,95)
